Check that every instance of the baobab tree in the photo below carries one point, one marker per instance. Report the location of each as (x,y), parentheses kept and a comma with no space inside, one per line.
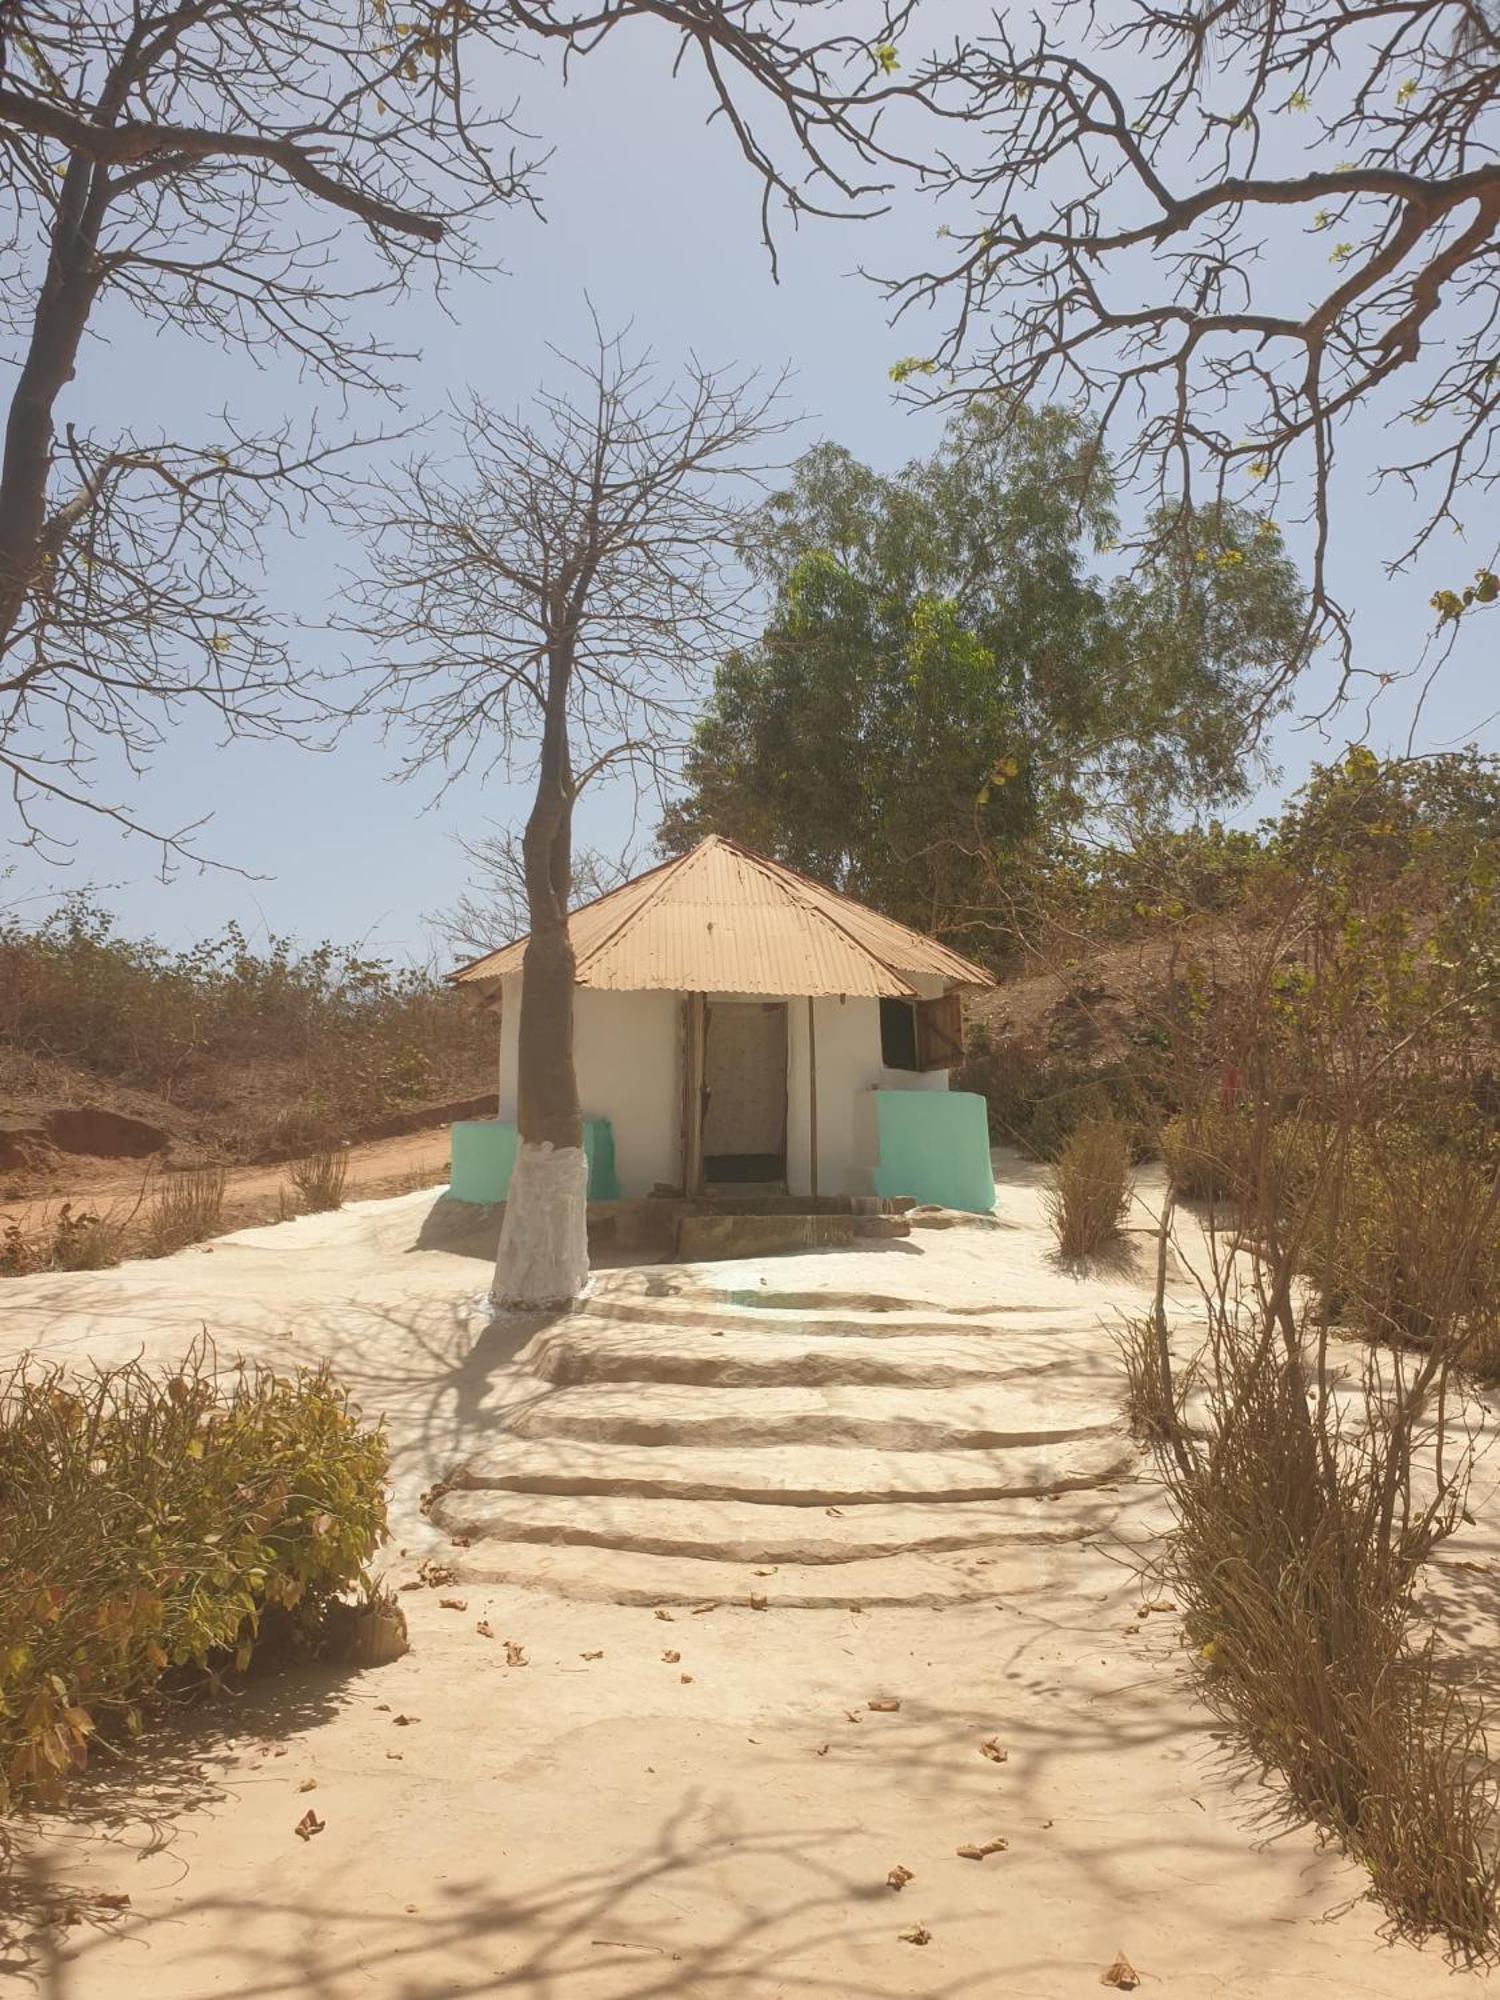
(265,175)
(1227,230)
(549,603)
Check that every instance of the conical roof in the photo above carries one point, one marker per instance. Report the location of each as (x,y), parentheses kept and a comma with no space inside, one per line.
(720,919)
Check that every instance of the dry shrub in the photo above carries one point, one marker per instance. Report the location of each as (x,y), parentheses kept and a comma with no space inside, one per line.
(153,1525)
(1405,1244)
(319,1180)
(1089,1194)
(1203,1152)
(66,1241)
(186,1209)
(1296,1548)
(277,1047)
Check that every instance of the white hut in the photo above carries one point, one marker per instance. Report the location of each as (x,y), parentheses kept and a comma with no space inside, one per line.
(740,1028)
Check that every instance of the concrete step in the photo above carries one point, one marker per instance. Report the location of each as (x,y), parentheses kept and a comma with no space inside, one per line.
(797,1475)
(1060,1585)
(1061,1324)
(577,1351)
(1021,1410)
(740,1531)
(704,1239)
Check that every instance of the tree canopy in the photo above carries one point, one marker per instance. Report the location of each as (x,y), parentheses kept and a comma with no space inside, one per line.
(945,673)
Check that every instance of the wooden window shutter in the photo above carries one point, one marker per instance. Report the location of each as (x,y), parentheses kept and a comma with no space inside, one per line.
(940,1032)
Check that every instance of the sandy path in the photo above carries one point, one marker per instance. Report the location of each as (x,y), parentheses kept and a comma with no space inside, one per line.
(633,1826)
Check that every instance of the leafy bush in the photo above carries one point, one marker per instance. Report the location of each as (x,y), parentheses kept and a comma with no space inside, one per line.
(1090,1187)
(319,1180)
(187,1208)
(152,1523)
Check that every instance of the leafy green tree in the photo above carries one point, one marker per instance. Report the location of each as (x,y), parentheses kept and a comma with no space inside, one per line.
(944,676)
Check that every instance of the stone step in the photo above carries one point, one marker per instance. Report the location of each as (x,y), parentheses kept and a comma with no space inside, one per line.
(1062,1584)
(577,1351)
(745,1532)
(1021,1410)
(742,1312)
(796,1475)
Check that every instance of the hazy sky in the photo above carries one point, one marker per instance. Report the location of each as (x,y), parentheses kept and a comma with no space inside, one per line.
(656,219)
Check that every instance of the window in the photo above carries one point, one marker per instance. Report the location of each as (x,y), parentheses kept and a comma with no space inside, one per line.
(898,1034)
(922,1034)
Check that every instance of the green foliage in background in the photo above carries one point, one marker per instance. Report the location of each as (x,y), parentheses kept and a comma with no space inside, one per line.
(945,675)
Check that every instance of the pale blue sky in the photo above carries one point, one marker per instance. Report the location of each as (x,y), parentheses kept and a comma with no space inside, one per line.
(657,220)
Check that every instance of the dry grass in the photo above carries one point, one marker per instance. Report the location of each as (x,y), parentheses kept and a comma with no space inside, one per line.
(1089,1193)
(319,1180)
(84,1240)
(186,1208)
(1296,1548)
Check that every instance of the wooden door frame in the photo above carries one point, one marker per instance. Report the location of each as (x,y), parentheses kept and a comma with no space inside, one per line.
(694,1086)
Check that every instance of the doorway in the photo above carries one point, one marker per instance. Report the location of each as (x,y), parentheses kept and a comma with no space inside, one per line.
(744,1093)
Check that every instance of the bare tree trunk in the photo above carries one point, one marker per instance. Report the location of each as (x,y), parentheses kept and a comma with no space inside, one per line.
(543,1259)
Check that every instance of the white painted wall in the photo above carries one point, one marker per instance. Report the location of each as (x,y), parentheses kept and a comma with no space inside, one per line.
(628,1048)
(847,1033)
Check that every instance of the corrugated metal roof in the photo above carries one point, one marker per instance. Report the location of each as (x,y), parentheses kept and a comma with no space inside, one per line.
(723,920)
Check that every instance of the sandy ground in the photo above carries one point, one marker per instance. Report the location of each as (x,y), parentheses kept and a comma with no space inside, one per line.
(591,1819)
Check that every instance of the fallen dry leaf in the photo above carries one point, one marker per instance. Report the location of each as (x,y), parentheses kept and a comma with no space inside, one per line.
(308,1785)
(1160,1604)
(110,1899)
(994,1749)
(978,1849)
(663,1613)
(671,1656)
(822,1750)
(1122,1974)
(699,1609)
(592,1656)
(884,1704)
(404,1721)
(899,1877)
(396,1754)
(852,1714)
(837,1512)
(763,1572)
(308,1825)
(515,1656)
(436,1574)
(485,1629)
(686,1679)
(454,1603)
(918,1934)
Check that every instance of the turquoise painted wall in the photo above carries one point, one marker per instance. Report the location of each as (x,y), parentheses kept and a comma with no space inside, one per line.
(934,1145)
(484,1154)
